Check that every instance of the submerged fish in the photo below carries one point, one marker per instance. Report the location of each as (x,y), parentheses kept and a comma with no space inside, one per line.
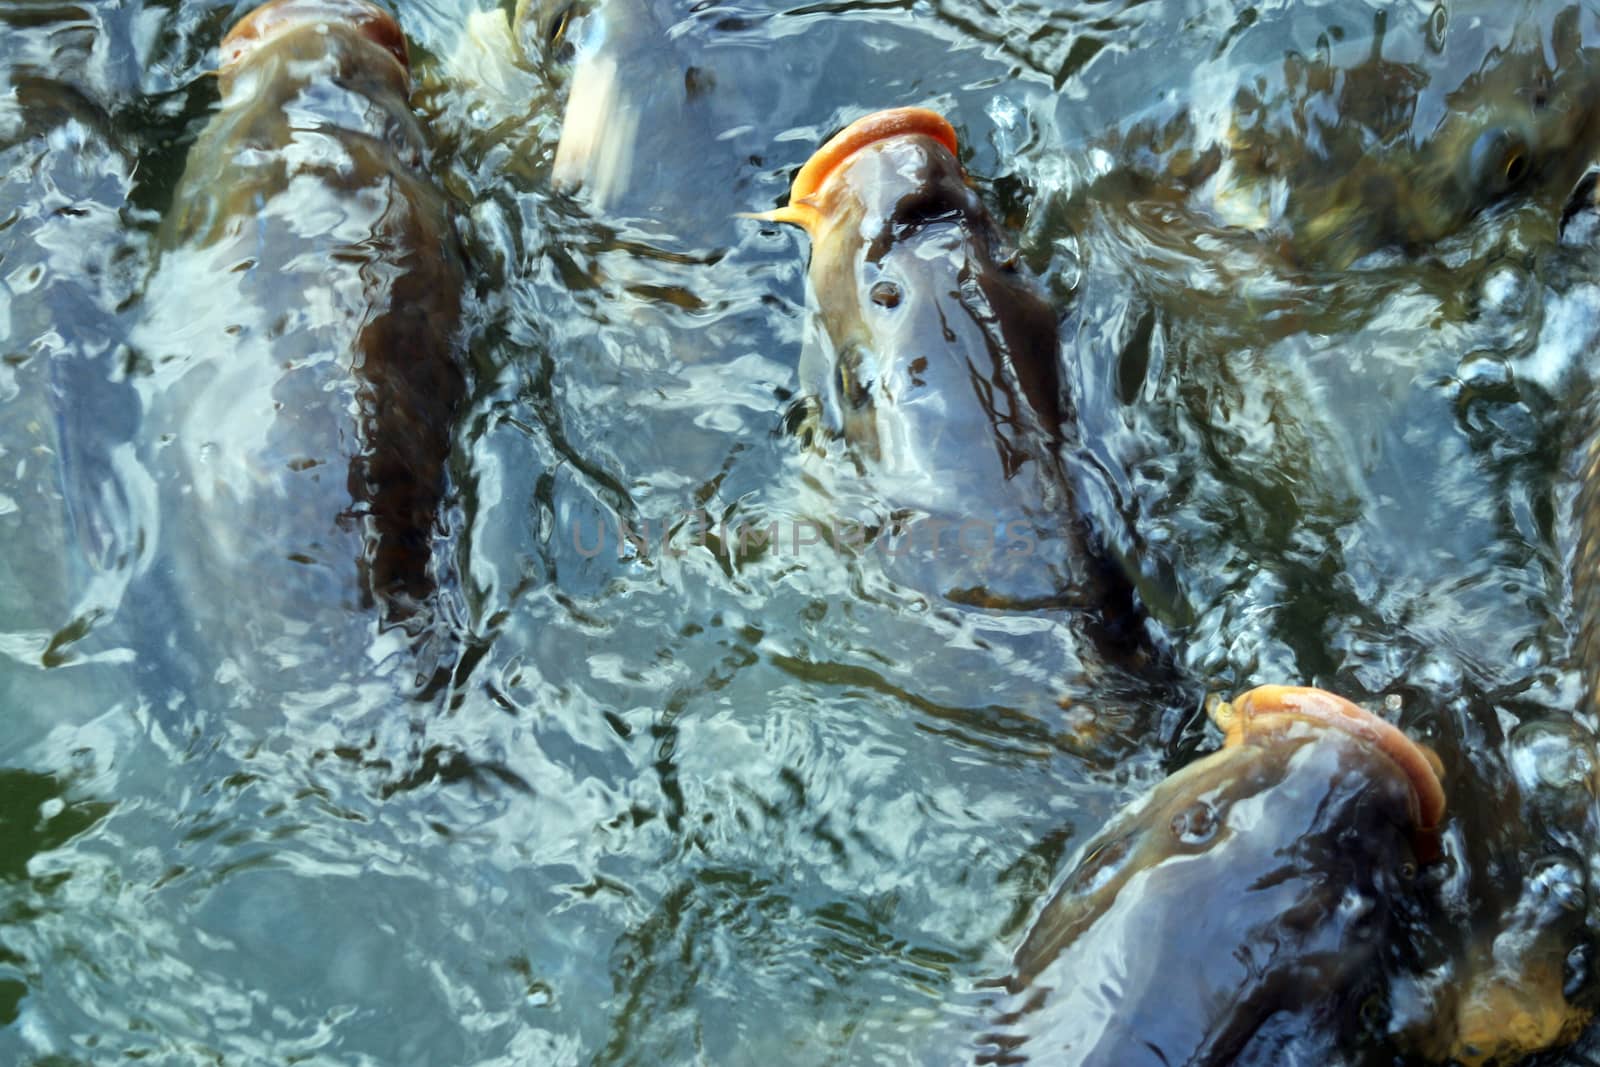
(937,358)
(1333,131)
(75,504)
(1245,910)
(1434,149)
(645,126)
(600,129)
(304,339)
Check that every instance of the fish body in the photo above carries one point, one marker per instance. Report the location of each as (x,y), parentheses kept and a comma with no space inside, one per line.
(935,360)
(1246,909)
(923,304)
(1310,222)
(1333,131)
(643,123)
(304,340)
(76,510)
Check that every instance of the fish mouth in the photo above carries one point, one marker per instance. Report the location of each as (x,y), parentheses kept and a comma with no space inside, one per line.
(1270,708)
(805,195)
(274,19)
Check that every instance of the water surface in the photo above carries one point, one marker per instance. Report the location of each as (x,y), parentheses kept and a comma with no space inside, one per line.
(647,800)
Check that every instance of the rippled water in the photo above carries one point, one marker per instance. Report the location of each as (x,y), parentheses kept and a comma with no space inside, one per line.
(680,803)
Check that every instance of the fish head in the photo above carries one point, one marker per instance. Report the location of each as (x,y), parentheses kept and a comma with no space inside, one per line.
(1258,883)
(1421,151)
(929,317)
(280,21)
(1525,126)
(557,27)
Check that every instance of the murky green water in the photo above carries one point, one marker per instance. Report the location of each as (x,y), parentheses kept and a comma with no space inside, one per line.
(686,803)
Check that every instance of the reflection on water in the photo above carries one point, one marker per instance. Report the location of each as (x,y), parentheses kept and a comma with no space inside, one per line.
(643,806)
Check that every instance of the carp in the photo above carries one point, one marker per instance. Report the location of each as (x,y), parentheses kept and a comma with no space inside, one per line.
(304,342)
(1245,907)
(1333,133)
(78,507)
(936,362)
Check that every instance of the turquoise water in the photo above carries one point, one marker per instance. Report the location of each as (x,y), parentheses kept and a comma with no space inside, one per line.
(686,803)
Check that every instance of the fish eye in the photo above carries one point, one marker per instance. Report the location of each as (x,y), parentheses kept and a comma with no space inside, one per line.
(559,25)
(1514,167)
(1196,824)
(885,294)
(1499,161)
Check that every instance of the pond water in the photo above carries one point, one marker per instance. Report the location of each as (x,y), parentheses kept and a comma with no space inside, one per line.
(633,795)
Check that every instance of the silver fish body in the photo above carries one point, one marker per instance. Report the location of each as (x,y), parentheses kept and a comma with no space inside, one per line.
(936,364)
(1244,911)
(304,344)
(76,511)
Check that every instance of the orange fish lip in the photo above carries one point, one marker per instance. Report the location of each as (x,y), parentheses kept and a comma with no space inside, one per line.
(1270,705)
(806,193)
(277,17)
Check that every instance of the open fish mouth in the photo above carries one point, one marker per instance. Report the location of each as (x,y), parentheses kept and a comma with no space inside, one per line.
(274,19)
(807,193)
(1270,708)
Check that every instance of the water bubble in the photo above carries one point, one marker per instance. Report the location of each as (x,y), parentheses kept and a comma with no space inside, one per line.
(1066,267)
(1506,291)
(1481,372)
(1005,115)
(1560,881)
(1355,905)
(1552,756)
